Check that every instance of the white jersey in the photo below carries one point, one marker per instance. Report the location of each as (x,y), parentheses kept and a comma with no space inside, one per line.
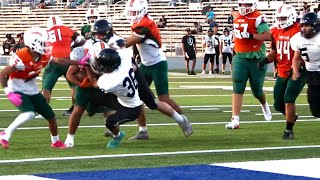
(206,40)
(227,43)
(111,42)
(122,83)
(309,49)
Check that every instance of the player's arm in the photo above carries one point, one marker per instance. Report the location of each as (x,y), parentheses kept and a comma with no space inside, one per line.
(263,29)
(195,45)
(220,45)
(71,75)
(78,40)
(296,65)
(137,36)
(182,46)
(4,75)
(92,77)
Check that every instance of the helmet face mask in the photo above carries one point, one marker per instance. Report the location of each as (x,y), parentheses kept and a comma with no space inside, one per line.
(102,30)
(135,10)
(309,25)
(92,15)
(247,6)
(285,16)
(37,40)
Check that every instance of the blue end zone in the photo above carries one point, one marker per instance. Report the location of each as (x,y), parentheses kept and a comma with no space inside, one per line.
(175,172)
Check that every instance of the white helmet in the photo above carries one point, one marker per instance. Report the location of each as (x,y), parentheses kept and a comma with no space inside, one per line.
(78,53)
(37,40)
(54,21)
(247,10)
(94,52)
(136,10)
(285,11)
(92,13)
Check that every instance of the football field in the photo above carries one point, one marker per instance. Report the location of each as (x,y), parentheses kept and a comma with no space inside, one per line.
(206,100)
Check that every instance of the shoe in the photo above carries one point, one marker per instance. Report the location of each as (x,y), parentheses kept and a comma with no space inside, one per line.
(266,112)
(69,143)
(68,112)
(108,133)
(193,73)
(288,134)
(115,142)
(4,143)
(216,71)
(188,72)
(203,73)
(232,125)
(223,72)
(39,116)
(210,72)
(186,126)
(142,135)
(59,144)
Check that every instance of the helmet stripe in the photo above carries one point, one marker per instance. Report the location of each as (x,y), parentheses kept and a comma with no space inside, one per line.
(131,2)
(92,11)
(54,21)
(279,10)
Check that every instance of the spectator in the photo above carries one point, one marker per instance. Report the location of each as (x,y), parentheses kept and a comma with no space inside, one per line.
(162,22)
(305,7)
(19,45)
(75,4)
(210,52)
(189,50)
(216,35)
(233,13)
(42,5)
(212,24)
(173,3)
(7,44)
(210,15)
(197,28)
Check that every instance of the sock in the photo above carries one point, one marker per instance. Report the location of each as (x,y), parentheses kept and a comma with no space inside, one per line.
(21,119)
(70,137)
(54,139)
(118,135)
(143,128)
(289,126)
(235,119)
(71,108)
(176,116)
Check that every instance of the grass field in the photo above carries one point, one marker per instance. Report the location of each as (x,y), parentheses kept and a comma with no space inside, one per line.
(207,103)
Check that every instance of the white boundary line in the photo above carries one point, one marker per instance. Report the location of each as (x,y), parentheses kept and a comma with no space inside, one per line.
(174,124)
(158,154)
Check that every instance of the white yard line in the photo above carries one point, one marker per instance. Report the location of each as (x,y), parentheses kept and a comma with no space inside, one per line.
(157,154)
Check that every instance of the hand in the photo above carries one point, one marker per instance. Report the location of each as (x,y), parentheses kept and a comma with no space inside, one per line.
(15,98)
(246,35)
(84,61)
(295,75)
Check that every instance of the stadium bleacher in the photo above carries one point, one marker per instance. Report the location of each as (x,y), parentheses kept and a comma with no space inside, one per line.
(15,20)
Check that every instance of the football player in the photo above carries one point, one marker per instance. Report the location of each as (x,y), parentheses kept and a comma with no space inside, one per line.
(153,66)
(226,48)
(307,47)
(286,90)
(61,38)
(250,30)
(18,79)
(92,15)
(208,43)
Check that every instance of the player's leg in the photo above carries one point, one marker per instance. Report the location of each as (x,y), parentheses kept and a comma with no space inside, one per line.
(49,79)
(43,108)
(204,64)
(313,80)
(256,77)
(192,56)
(121,116)
(217,59)
(224,61)
(64,70)
(211,57)
(27,113)
(239,79)
(187,59)
(160,78)
(230,61)
(278,94)
(292,91)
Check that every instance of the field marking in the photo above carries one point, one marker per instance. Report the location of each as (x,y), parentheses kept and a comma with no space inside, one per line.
(157,154)
(173,124)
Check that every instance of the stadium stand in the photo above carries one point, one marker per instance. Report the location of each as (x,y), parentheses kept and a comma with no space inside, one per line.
(15,19)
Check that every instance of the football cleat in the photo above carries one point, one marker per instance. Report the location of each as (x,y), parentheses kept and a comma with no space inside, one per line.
(266,112)
(4,143)
(142,135)
(59,144)
(115,142)
(232,125)
(288,134)
(186,126)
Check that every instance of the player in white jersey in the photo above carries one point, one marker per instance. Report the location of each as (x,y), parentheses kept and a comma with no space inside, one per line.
(307,47)
(118,80)
(208,44)
(226,48)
